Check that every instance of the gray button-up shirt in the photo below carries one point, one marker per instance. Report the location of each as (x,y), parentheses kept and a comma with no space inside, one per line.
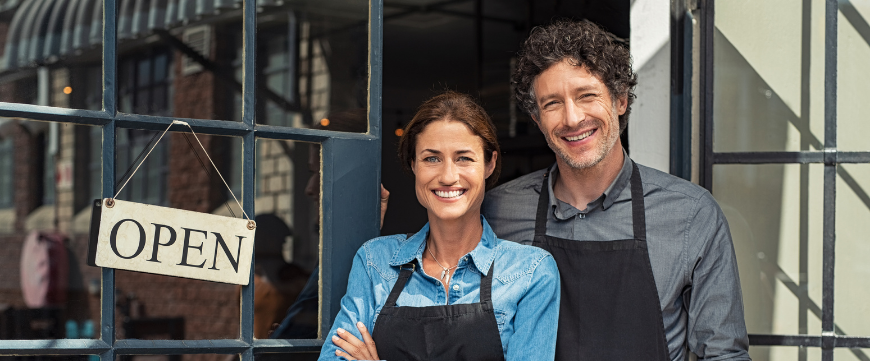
(689,244)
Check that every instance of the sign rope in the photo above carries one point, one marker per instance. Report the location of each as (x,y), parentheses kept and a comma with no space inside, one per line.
(178,122)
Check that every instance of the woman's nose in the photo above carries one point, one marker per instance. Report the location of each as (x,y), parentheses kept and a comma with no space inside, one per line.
(449,173)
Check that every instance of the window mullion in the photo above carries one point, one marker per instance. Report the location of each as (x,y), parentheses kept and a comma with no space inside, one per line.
(249,145)
(107,299)
(830,181)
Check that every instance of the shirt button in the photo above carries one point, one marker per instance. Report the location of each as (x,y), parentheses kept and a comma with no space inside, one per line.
(456,287)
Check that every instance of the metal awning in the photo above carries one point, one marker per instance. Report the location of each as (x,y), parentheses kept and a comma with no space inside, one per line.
(44,30)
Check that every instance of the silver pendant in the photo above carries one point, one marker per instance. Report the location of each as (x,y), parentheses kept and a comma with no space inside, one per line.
(442,275)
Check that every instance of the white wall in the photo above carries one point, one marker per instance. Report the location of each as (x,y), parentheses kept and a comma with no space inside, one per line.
(649,125)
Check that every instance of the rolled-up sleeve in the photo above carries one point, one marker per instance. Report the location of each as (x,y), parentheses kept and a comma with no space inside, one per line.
(356,305)
(537,316)
(716,327)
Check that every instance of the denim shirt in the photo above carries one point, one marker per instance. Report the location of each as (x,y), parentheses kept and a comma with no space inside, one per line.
(525,290)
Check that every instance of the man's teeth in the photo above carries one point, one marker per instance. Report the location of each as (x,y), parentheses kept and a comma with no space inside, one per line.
(579,137)
(449,194)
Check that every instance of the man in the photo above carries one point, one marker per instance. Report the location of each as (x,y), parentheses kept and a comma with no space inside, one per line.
(647,264)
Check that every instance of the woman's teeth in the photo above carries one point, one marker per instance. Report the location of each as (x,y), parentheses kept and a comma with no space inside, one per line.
(580,137)
(449,194)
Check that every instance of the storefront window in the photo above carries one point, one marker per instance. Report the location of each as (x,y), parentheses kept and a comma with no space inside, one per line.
(206,63)
(45,46)
(787,162)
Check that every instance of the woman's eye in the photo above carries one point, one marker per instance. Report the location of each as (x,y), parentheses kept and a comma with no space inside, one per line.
(431,159)
(464,159)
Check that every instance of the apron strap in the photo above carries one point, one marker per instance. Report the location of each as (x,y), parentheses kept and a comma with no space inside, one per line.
(408,269)
(404,276)
(486,285)
(638,216)
(543,207)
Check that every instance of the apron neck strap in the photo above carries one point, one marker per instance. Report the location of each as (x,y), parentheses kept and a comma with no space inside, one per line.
(404,276)
(638,211)
(638,216)
(409,268)
(543,207)
(486,285)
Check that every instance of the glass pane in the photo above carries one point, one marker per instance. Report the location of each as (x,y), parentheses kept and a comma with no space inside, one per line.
(150,306)
(784,353)
(47,290)
(286,294)
(852,311)
(284,356)
(313,65)
(768,76)
(852,51)
(775,216)
(52,53)
(51,358)
(197,357)
(851,354)
(175,59)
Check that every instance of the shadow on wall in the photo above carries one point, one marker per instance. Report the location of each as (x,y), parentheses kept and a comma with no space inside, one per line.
(774,210)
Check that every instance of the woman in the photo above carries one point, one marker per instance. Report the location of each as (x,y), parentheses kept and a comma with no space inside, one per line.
(452,291)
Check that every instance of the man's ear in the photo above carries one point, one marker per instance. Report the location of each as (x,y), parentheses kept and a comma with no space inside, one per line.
(490,166)
(536,119)
(622,104)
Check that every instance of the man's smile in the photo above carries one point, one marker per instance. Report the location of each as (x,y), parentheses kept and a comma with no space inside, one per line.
(579,136)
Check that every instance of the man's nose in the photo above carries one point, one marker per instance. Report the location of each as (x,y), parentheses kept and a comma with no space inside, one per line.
(573,114)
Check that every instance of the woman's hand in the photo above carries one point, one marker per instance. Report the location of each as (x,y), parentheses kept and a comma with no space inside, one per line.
(354,349)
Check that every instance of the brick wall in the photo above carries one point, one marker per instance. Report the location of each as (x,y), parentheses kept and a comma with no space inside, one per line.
(27,175)
(10,254)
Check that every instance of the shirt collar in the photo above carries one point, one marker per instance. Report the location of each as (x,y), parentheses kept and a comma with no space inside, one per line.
(482,255)
(607,198)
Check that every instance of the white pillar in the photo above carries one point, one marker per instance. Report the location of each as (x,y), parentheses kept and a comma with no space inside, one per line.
(649,125)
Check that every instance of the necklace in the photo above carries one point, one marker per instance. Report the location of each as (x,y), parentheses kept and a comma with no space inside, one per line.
(445,271)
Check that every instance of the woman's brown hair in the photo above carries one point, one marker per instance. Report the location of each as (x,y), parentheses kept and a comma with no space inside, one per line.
(451,106)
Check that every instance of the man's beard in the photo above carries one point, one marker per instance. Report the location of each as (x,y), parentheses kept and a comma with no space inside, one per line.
(600,152)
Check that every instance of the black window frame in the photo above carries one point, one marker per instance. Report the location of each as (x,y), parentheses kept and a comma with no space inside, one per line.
(829,156)
(350,178)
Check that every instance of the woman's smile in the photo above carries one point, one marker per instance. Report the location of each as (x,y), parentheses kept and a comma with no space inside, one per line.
(449,194)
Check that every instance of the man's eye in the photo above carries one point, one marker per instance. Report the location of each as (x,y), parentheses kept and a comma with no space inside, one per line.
(549,104)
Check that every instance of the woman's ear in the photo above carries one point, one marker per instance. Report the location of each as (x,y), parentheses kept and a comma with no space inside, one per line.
(414,166)
(490,166)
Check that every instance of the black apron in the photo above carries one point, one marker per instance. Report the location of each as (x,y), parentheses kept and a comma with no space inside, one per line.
(450,332)
(610,308)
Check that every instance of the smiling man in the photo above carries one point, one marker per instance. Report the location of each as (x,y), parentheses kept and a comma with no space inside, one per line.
(647,263)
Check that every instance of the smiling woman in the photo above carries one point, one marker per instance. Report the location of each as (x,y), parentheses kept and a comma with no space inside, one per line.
(450,146)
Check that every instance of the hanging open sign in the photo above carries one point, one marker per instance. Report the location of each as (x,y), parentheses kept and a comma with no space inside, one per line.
(168,241)
(146,238)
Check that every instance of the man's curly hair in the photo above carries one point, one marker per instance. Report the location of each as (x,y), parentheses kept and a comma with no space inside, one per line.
(583,43)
